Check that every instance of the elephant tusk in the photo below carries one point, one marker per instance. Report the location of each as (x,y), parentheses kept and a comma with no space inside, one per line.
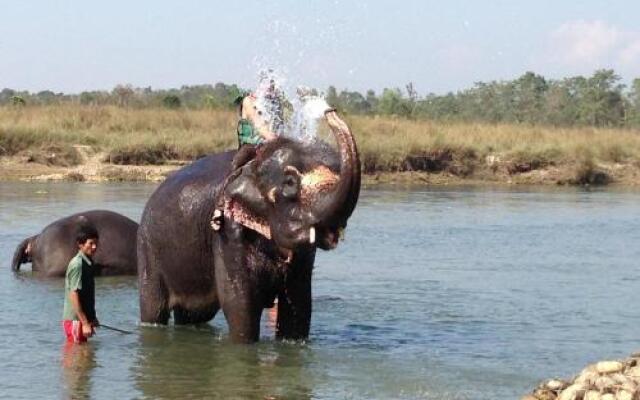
(271,195)
(312,235)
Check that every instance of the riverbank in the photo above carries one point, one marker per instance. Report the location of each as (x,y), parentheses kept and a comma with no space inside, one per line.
(84,143)
(91,168)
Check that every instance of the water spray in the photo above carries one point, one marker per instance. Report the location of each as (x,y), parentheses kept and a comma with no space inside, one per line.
(292,115)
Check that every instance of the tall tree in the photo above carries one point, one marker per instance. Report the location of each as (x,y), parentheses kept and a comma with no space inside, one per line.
(372,100)
(332,98)
(603,103)
(633,117)
(392,102)
(123,94)
(529,95)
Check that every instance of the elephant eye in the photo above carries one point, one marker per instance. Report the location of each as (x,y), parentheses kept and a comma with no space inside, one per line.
(290,187)
(289,181)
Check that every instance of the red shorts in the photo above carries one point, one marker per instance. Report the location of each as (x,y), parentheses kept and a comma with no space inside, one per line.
(73,330)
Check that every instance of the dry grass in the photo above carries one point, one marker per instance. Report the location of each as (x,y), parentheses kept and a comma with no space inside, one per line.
(387,142)
(153,136)
(138,136)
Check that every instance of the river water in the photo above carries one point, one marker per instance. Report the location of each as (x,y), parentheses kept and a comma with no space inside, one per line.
(436,293)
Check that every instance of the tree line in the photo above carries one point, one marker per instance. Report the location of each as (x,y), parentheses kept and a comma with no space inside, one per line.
(219,95)
(599,100)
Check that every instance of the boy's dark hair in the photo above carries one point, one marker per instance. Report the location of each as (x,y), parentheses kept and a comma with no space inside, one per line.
(86,232)
(238,103)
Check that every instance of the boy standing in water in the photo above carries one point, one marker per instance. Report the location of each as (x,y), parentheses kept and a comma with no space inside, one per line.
(79,316)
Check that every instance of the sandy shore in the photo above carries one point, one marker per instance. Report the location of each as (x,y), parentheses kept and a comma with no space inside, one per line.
(91,169)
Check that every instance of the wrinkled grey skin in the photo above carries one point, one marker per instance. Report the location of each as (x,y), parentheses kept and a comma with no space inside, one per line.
(50,251)
(187,268)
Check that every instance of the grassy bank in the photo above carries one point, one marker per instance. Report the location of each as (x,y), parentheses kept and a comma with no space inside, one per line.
(127,136)
(46,135)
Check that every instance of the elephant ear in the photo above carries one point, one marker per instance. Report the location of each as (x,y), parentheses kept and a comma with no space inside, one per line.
(245,204)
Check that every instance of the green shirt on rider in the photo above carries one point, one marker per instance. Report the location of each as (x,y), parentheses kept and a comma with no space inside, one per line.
(252,127)
(247,134)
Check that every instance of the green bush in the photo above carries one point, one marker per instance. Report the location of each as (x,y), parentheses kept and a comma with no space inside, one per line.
(18,101)
(171,101)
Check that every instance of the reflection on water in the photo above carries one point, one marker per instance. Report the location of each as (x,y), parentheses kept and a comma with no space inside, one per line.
(186,356)
(440,293)
(78,360)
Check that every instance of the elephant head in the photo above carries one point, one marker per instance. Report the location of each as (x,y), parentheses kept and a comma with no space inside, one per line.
(298,193)
(22,254)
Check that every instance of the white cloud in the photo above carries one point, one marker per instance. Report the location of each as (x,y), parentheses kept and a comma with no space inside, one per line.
(458,57)
(630,54)
(582,46)
(580,42)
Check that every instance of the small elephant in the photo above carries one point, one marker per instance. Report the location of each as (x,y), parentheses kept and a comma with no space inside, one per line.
(50,251)
(291,199)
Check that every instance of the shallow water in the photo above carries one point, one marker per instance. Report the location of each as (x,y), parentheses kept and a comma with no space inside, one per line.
(443,293)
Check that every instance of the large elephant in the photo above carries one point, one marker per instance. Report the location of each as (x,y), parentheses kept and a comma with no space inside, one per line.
(50,251)
(293,197)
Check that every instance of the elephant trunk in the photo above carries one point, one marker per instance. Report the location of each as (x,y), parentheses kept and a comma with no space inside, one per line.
(334,203)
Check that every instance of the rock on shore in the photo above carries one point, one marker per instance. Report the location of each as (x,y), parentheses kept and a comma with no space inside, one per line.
(604,380)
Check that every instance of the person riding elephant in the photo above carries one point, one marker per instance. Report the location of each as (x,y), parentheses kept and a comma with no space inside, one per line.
(49,251)
(253,128)
(280,206)
(262,118)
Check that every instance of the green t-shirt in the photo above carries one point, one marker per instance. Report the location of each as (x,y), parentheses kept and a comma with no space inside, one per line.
(247,133)
(79,277)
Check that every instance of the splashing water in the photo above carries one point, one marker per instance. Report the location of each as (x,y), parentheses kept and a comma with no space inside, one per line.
(298,42)
(292,115)
(271,100)
(304,125)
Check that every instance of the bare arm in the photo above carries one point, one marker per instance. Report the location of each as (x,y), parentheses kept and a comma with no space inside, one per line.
(77,307)
(249,112)
(266,133)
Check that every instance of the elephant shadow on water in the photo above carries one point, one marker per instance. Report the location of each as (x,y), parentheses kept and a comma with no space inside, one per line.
(187,363)
(278,208)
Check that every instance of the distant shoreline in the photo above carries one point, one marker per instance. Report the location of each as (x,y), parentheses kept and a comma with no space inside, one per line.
(108,143)
(20,169)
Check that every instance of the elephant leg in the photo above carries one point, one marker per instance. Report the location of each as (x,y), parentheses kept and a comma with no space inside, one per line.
(240,303)
(182,316)
(154,299)
(153,302)
(242,312)
(243,318)
(294,304)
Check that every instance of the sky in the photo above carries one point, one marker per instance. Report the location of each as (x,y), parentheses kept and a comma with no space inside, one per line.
(440,46)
